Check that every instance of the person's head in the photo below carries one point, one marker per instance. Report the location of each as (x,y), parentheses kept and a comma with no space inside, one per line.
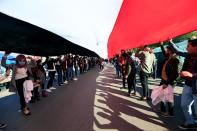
(39,62)
(51,58)
(169,50)
(21,61)
(193,37)
(122,51)
(29,59)
(192,47)
(76,56)
(151,50)
(124,55)
(146,48)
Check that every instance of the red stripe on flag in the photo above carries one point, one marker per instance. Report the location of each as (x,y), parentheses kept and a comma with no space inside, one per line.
(142,22)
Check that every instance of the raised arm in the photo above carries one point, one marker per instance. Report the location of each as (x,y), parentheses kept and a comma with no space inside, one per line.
(177,50)
(162,49)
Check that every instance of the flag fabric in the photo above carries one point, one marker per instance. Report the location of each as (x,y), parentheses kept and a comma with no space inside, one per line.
(22,37)
(143,22)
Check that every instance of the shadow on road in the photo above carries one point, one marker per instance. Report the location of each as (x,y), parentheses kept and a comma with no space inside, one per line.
(114,110)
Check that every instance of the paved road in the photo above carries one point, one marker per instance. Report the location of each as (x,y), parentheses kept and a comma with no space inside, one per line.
(93,102)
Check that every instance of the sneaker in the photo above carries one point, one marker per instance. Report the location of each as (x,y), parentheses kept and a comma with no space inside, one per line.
(52,88)
(166,115)
(26,112)
(143,98)
(2,125)
(187,126)
(65,82)
(133,94)
(75,79)
(60,84)
(48,90)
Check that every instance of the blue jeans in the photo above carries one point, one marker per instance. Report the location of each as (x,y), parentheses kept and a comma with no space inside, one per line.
(77,72)
(59,73)
(144,83)
(70,73)
(118,71)
(187,99)
(65,75)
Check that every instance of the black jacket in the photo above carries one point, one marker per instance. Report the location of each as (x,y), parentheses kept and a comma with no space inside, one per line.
(50,64)
(172,66)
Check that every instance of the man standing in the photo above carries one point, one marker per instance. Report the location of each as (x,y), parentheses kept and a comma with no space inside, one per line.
(122,63)
(189,73)
(168,76)
(146,65)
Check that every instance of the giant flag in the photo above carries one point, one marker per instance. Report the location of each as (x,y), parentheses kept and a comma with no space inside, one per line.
(142,22)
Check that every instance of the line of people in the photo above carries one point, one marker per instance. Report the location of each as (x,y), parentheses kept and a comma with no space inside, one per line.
(67,69)
(128,65)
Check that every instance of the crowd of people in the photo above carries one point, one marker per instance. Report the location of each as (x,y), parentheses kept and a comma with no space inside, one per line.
(143,61)
(39,76)
(33,77)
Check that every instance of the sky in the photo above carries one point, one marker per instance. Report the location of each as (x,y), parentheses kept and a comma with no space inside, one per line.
(85,22)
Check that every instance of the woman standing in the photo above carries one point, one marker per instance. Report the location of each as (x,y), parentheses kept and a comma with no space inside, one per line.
(20,72)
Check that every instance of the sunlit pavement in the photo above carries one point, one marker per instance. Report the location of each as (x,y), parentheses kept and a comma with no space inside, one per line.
(114,110)
(93,102)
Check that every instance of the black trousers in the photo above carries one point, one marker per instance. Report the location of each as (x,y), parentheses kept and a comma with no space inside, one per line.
(51,78)
(35,94)
(167,105)
(123,75)
(144,82)
(131,80)
(19,86)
